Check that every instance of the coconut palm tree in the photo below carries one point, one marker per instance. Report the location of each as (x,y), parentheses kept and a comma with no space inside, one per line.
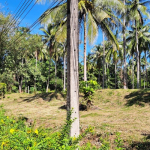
(143,42)
(93,14)
(97,53)
(72,66)
(113,54)
(137,12)
(49,40)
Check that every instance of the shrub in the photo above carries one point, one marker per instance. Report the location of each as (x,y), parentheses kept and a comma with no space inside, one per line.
(31,89)
(16,135)
(2,89)
(88,88)
(56,82)
(14,89)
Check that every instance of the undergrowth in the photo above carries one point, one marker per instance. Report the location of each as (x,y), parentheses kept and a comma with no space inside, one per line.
(16,135)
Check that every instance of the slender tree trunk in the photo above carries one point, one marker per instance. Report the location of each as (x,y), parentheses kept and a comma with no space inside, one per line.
(105,76)
(144,80)
(19,82)
(146,68)
(25,84)
(124,55)
(121,74)
(137,50)
(64,70)
(140,69)
(55,74)
(85,78)
(115,75)
(133,72)
(103,60)
(72,65)
(99,75)
(35,75)
(47,87)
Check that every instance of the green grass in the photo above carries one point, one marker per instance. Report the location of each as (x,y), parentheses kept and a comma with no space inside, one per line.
(90,115)
(124,111)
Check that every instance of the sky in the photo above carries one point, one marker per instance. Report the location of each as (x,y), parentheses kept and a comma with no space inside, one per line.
(11,6)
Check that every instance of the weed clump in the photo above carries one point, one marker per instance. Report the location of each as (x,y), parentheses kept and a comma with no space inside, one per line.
(15,134)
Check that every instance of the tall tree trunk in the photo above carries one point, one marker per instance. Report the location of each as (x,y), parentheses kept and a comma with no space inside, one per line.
(72,65)
(140,69)
(115,75)
(85,34)
(64,69)
(55,74)
(47,87)
(20,84)
(137,50)
(133,72)
(105,76)
(121,74)
(35,75)
(103,60)
(144,80)
(99,75)
(146,68)
(124,55)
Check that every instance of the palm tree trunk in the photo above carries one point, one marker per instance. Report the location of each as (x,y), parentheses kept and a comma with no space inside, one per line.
(140,69)
(35,75)
(85,78)
(121,74)
(146,68)
(72,66)
(64,70)
(144,80)
(124,55)
(48,75)
(133,72)
(99,75)
(55,74)
(103,61)
(19,86)
(105,76)
(137,50)
(115,75)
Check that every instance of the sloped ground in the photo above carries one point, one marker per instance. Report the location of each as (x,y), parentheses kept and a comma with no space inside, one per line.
(123,111)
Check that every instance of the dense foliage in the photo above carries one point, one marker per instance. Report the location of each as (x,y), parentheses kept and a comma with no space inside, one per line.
(32,62)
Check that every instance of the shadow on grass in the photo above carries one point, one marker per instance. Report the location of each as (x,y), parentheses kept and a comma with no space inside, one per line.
(143,145)
(140,146)
(82,107)
(138,98)
(44,96)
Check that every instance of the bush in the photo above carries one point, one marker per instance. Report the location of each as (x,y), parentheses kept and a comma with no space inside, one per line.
(88,88)
(31,89)
(16,135)
(56,82)
(2,89)
(14,89)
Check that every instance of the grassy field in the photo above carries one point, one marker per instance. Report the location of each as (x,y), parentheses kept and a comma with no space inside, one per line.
(126,112)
